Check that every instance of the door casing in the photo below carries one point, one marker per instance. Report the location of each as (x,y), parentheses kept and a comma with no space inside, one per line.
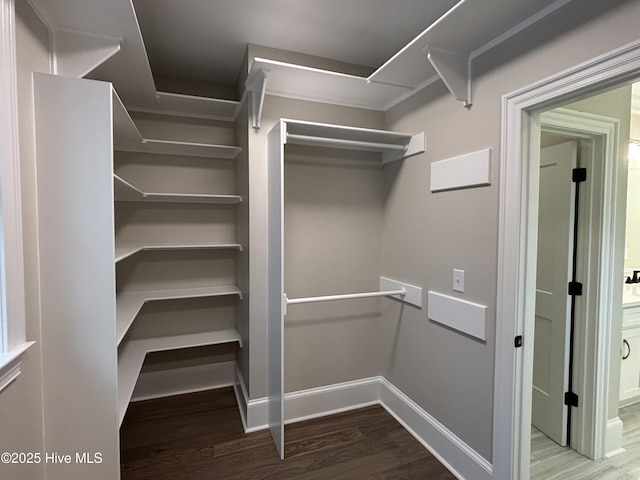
(518,197)
(598,140)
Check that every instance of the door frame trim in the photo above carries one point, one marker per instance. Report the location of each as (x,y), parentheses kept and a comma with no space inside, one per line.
(593,335)
(513,366)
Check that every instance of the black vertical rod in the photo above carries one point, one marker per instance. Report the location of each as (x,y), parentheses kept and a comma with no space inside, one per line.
(572,319)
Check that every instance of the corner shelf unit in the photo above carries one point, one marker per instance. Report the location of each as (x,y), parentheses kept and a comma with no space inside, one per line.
(132,352)
(85,318)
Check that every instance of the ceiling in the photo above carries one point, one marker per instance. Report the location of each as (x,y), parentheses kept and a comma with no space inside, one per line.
(207,40)
(129,42)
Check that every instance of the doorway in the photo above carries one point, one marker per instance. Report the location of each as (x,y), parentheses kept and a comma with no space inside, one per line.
(577,136)
(517,254)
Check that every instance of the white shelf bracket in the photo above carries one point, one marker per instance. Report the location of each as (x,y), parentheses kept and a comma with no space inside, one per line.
(455,71)
(256,85)
(78,53)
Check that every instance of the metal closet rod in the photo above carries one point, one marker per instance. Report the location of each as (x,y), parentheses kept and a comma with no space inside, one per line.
(339,142)
(347,296)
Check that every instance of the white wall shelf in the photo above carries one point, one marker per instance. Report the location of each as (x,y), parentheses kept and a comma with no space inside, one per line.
(306,83)
(132,354)
(170,147)
(392,145)
(128,304)
(127,137)
(443,51)
(125,251)
(126,192)
(125,132)
(193,106)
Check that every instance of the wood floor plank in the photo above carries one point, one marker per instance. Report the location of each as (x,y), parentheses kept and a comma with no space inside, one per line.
(200,436)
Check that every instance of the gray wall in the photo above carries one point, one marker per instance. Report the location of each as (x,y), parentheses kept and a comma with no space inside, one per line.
(333,227)
(427,234)
(21,401)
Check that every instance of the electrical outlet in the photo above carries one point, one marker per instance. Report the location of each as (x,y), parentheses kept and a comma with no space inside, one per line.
(458,280)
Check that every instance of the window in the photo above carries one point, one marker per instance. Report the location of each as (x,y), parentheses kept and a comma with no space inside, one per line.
(12,307)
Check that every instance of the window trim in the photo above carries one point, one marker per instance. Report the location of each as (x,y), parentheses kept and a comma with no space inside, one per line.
(13,342)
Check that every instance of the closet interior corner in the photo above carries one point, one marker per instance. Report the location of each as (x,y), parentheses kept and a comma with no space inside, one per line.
(325,227)
(145,229)
(175,241)
(144,206)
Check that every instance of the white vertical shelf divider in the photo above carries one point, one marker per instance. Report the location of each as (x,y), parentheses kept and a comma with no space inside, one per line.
(392,146)
(76,238)
(276,284)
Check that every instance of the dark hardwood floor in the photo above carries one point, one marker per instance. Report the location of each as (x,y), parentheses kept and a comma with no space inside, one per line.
(200,436)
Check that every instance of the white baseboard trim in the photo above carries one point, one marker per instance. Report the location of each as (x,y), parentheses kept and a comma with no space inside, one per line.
(462,460)
(254,413)
(177,381)
(613,439)
(331,399)
(450,450)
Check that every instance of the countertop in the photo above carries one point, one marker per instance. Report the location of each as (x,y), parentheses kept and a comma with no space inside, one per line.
(631,295)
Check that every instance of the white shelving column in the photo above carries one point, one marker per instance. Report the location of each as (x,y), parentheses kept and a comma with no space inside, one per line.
(77,287)
(133,350)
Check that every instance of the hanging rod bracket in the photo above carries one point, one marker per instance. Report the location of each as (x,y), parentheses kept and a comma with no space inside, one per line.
(454,69)
(256,85)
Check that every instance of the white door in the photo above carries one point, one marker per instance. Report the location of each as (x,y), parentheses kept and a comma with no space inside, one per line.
(553,304)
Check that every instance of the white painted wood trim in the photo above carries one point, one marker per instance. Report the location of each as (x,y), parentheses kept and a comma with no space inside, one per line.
(593,333)
(462,460)
(464,171)
(77,53)
(512,409)
(10,365)
(461,315)
(413,293)
(613,437)
(254,413)
(178,381)
(328,400)
(12,295)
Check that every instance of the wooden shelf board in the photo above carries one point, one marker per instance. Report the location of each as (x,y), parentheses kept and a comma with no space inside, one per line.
(305,83)
(195,106)
(408,67)
(132,354)
(342,132)
(130,359)
(191,198)
(128,304)
(125,131)
(125,251)
(191,149)
(392,145)
(126,192)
